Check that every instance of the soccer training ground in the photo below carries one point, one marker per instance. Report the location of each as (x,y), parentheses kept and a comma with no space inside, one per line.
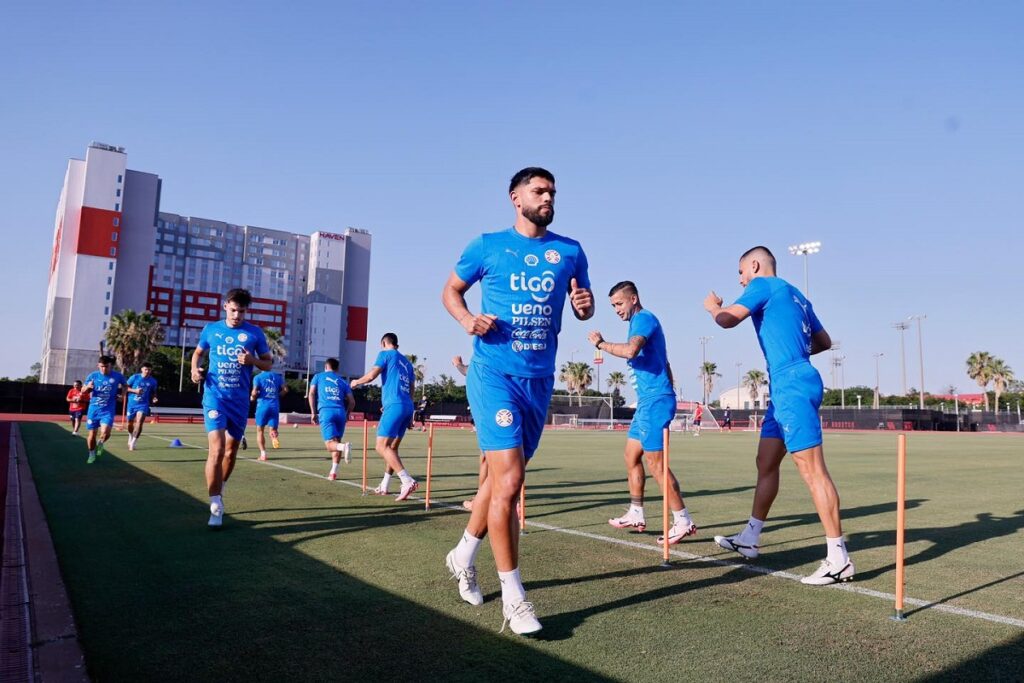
(309,580)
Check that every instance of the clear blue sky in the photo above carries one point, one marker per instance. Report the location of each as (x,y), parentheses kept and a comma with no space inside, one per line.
(680,135)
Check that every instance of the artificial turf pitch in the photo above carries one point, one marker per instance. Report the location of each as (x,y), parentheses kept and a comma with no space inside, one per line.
(308,580)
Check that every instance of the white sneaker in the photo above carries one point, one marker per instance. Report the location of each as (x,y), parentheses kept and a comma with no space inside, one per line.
(131,443)
(381,490)
(407,490)
(629,521)
(829,573)
(216,515)
(520,617)
(468,588)
(346,452)
(733,543)
(678,532)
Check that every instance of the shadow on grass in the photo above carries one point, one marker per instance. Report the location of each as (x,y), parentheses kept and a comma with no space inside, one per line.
(1001,663)
(158,597)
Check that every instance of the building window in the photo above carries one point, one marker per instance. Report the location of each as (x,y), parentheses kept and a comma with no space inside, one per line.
(113,237)
(110,266)
(119,192)
(106,310)
(117,206)
(108,296)
(113,251)
(119,179)
(110,280)
(117,221)
(104,326)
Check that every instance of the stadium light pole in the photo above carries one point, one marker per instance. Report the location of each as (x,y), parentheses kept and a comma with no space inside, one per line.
(703,365)
(181,370)
(309,350)
(805,249)
(876,405)
(738,364)
(920,355)
(902,327)
(956,407)
(424,394)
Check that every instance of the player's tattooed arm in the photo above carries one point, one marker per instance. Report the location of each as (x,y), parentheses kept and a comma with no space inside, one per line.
(453,296)
(728,316)
(629,350)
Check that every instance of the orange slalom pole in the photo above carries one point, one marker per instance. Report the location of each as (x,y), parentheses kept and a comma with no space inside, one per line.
(664,502)
(901,509)
(522,508)
(430,462)
(366,439)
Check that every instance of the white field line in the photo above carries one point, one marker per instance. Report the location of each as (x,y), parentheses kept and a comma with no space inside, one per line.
(648,547)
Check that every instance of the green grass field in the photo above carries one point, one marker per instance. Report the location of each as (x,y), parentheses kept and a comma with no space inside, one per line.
(309,580)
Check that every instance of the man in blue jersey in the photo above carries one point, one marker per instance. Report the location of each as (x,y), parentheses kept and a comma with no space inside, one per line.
(267,390)
(330,402)
(789,333)
(647,358)
(105,386)
(526,274)
(235,348)
(398,382)
(142,392)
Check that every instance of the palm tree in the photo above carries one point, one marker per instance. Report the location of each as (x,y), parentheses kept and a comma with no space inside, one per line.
(576,376)
(979,368)
(417,367)
(616,380)
(132,336)
(275,340)
(1002,375)
(753,381)
(708,373)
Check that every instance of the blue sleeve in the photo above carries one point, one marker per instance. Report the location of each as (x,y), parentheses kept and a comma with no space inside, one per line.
(132,380)
(346,389)
(816,325)
(204,339)
(261,343)
(755,296)
(470,267)
(642,326)
(382,360)
(315,382)
(582,273)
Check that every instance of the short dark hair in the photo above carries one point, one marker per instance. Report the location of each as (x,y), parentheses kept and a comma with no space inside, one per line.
(147,364)
(761,251)
(624,285)
(390,338)
(527,174)
(240,296)
(107,360)
(77,381)
(331,364)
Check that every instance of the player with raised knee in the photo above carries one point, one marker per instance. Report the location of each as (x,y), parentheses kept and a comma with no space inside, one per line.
(235,348)
(104,386)
(526,275)
(398,382)
(789,333)
(647,358)
(141,393)
(267,390)
(330,403)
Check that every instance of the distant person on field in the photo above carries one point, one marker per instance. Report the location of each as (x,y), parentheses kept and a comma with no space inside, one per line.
(142,393)
(727,419)
(330,403)
(698,416)
(267,390)
(78,402)
(104,387)
(789,333)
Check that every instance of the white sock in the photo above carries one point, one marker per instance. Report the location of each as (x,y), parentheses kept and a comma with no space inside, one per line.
(334,468)
(466,550)
(217,499)
(682,516)
(512,590)
(751,534)
(837,555)
(340,447)
(385,481)
(406,479)
(263,454)
(637,510)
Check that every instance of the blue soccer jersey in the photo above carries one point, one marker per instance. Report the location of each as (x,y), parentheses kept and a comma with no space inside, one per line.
(331,390)
(105,388)
(396,377)
(524,282)
(148,386)
(650,366)
(228,382)
(268,389)
(783,319)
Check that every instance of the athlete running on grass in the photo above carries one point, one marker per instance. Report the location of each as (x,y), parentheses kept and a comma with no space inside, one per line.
(789,333)
(656,408)
(330,403)
(105,385)
(526,275)
(267,390)
(142,392)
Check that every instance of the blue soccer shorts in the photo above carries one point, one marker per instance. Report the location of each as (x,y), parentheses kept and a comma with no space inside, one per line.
(267,415)
(332,423)
(792,415)
(135,410)
(93,420)
(509,412)
(394,420)
(222,416)
(652,416)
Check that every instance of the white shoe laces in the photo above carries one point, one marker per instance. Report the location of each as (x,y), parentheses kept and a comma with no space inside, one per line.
(519,611)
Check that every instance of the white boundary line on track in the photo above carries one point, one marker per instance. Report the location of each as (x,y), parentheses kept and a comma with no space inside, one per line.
(850,588)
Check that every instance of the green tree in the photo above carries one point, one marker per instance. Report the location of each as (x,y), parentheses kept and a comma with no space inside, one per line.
(1002,375)
(132,337)
(616,380)
(753,380)
(276,342)
(708,373)
(979,368)
(577,376)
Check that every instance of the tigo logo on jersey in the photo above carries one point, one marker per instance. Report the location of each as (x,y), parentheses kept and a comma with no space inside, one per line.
(552,256)
(503,417)
(539,287)
(531,260)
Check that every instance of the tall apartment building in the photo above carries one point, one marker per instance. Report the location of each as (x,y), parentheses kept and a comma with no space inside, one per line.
(114,249)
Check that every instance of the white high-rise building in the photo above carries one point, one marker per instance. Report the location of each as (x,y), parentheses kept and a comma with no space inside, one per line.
(115,250)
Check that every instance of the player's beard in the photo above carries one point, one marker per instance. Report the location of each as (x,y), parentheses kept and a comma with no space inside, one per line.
(539,219)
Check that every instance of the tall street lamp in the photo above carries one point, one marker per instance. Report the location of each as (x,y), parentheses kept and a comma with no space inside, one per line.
(805,250)
(878,355)
(902,327)
(920,353)
(738,364)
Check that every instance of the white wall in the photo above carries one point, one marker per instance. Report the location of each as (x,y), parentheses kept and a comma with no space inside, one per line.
(101,180)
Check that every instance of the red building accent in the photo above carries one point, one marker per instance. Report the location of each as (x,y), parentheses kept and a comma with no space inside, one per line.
(99,231)
(159,301)
(198,308)
(357,318)
(269,313)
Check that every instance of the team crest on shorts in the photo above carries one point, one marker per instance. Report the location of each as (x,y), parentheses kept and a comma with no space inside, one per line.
(503,417)
(213,414)
(531,259)
(552,256)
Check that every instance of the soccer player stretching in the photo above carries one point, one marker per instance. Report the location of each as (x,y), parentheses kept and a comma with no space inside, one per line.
(656,408)
(267,390)
(330,402)
(105,384)
(526,274)
(142,389)
(398,381)
(789,333)
(235,347)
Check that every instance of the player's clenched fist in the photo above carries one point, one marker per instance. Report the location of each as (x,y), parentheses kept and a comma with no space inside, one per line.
(479,325)
(581,299)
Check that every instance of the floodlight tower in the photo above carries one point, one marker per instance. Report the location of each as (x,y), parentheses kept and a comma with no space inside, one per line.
(920,355)
(902,327)
(805,250)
